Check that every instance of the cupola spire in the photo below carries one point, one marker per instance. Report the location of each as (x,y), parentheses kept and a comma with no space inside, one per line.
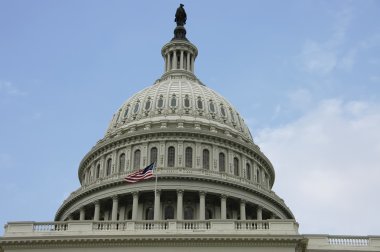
(179,54)
(180,19)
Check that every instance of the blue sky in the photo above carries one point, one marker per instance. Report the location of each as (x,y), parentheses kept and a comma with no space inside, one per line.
(305,75)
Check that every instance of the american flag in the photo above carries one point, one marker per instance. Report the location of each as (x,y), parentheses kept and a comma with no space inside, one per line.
(141,174)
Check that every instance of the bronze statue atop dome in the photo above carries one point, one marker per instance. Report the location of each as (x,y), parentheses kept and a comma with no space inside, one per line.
(180,16)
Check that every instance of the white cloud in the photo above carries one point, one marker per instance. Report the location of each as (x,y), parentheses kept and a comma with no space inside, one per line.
(328,166)
(8,88)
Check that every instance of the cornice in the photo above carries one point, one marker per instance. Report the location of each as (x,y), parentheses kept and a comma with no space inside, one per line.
(193,240)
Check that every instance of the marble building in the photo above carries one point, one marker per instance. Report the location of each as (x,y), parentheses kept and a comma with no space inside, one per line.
(213,189)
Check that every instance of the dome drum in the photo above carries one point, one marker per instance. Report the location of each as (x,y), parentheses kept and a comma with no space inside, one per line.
(250,162)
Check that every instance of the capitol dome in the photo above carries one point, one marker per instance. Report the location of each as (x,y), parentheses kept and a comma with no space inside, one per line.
(184,101)
(208,166)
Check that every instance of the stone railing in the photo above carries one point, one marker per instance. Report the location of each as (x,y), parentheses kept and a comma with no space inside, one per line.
(284,227)
(343,243)
(348,240)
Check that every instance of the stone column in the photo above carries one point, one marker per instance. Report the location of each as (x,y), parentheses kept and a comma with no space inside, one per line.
(181,60)
(174,60)
(97,210)
(242,210)
(179,204)
(157,204)
(202,205)
(135,205)
(167,62)
(188,62)
(192,63)
(259,213)
(223,207)
(82,214)
(115,207)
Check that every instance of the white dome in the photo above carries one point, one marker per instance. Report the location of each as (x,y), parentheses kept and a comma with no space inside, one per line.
(183,100)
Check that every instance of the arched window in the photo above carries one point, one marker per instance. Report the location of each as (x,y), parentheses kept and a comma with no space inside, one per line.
(136,159)
(212,107)
(121,162)
(186,102)
(160,102)
(208,214)
(206,159)
(169,213)
(189,157)
(258,176)
(222,162)
(149,213)
(109,167)
(147,104)
(97,171)
(137,106)
(171,156)
(188,213)
(248,171)
(236,166)
(126,112)
(199,103)
(222,110)
(153,155)
(173,101)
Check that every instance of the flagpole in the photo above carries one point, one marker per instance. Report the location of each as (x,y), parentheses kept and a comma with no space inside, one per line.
(155,185)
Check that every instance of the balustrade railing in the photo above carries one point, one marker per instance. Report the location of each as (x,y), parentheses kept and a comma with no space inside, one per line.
(195,225)
(151,225)
(178,225)
(348,241)
(251,225)
(50,226)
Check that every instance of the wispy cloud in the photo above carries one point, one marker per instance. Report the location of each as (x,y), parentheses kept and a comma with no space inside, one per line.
(322,57)
(327,164)
(8,88)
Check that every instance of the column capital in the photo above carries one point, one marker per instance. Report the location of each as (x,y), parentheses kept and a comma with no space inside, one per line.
(223,196)
(202,193)
(96,202)
(135,193)
(180,191)
(115,197)
(242,201)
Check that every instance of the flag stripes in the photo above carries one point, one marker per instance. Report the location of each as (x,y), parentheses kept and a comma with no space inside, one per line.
(141,174)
